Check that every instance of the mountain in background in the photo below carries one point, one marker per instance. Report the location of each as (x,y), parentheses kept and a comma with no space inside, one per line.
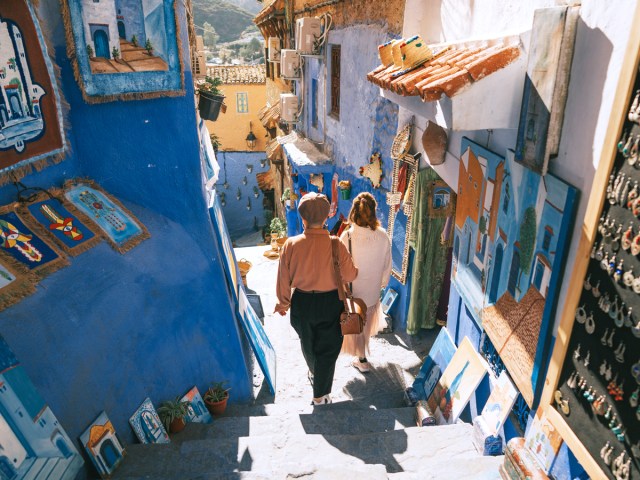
(252,6)
(229,20)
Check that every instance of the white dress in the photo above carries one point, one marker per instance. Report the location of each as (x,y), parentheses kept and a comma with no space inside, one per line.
(371,252)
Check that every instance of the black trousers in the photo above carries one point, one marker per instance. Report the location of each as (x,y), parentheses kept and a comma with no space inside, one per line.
(316,319)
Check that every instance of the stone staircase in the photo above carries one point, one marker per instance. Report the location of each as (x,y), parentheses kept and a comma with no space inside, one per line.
(329,442)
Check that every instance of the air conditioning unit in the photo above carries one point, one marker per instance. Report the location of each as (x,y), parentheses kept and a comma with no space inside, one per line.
(288,107)
(273,46)
(289,64)
(308,30)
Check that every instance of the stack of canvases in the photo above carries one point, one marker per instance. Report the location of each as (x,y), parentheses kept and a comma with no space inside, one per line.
(40,230)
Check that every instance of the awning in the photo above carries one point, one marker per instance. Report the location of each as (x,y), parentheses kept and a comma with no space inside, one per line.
(273,151)
(478,84)
(304,156)
(269,115)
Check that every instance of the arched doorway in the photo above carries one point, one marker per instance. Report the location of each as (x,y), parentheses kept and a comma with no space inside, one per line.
(495,278)
(101,42)
(109,453)
(121,30)
(16,108)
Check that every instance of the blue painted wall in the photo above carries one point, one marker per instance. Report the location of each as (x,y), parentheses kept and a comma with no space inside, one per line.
(111,329)
(240,220)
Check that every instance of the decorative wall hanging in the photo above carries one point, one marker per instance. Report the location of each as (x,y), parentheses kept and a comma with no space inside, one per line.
(457,383)
(197,411)
(124,51)
(373,171)
(400,201)
(103,446)
(146,424)
(48,215)
(19,242)
(31,126)
(119,227)
(33,440)
(545,87)
(511,235)
(434,143)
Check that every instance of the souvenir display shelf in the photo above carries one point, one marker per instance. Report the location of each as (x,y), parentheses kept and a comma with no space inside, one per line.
(591,392)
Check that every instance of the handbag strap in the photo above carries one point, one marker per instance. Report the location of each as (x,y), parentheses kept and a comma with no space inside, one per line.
(351,253)
(336,269)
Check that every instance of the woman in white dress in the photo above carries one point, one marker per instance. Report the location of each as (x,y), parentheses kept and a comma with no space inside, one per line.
(370,248)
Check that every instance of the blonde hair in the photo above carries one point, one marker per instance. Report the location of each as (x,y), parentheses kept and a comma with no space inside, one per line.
(363,211)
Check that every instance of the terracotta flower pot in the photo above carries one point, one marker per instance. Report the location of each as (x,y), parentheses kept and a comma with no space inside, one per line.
(217,408)
(177,425)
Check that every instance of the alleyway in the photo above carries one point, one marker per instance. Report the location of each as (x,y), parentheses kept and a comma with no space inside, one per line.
(368,433)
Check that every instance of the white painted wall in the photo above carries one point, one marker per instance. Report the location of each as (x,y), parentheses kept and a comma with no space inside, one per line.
(601,40)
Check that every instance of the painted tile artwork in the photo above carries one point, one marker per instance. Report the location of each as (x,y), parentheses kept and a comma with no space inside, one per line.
(119,226)
(543,440)
(511,235)
(33,440)
(15,283)
(67,230)
(503,396)
(124,48)
(102,445)
(30,117)
(457,383)
(22,245)
(147,425)
(197,413)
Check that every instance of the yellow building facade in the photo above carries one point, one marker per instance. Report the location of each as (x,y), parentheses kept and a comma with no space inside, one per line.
(245,94)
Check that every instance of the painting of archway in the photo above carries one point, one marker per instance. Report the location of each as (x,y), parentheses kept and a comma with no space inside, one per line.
(124,49)
(517,223)
(102,445)
(146,424)
(31,127)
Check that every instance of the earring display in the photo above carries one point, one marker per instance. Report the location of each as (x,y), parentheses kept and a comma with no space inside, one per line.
(599,388)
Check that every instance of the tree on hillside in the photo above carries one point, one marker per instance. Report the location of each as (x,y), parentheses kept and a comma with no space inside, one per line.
(252,50)
(210,35)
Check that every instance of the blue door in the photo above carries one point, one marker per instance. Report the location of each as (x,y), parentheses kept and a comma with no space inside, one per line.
(514,273)
(537,278)
(109,453)
(101,41)
(121,31)
(495,278)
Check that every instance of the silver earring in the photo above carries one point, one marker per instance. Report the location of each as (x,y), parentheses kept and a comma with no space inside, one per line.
(608,374)
(628,318)
(603,339)
(587,283)
(576,353)
(628,277)
(581,314)
(610,339)
(590,325)
(595,291)
(620,353)
(586,359)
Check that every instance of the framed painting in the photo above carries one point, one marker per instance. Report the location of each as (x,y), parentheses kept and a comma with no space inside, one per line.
(146,424)
(33,440)
(388,300)
(117,224)
(512,230)
(457,383)
(19,243)
(434,364)
(49,216)
(545,88)
(543,440)
(16,282)
(197,412)
(31,119)
(503,396)
(103,445)
(260,344)
(124,50)
(231,266)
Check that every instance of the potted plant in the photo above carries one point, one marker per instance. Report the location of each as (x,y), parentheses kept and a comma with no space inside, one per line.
(211,98)
(278,233)
(345,189)
(90,50)
(172,414)
(215,398)
(215,142)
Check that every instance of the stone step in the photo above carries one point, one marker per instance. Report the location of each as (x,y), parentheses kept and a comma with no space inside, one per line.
(324,421)
(481,468)
(412,450)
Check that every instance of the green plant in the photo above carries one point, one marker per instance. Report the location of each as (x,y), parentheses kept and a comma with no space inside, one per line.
(286,194)
(278,226)
(115,53)
(217,392)
(215,141)
(89,50)
(134,41)
(210,86)
(172,409)
(148,47)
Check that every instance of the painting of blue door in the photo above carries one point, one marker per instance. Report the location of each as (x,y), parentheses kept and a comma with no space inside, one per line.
(497,268)
(514,272)
(121,30)
(537,278)
(110,454)
(101,42)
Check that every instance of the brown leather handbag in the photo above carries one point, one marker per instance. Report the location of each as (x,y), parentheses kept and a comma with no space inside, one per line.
(353,318)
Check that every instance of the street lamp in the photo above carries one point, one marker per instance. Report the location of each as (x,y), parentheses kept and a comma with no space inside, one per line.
(251,139)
